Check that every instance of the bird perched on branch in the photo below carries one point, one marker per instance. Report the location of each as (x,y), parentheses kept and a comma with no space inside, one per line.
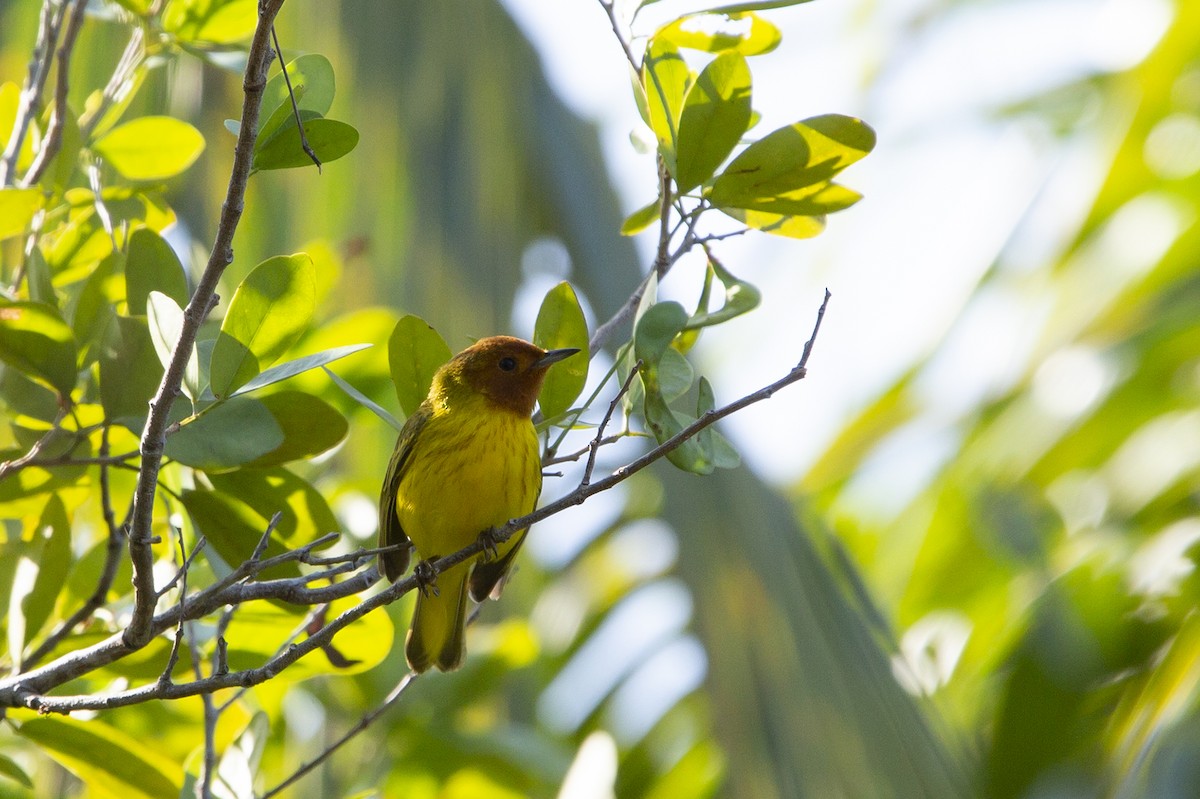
(467,460)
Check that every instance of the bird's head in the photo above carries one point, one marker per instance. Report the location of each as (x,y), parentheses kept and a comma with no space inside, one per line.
(505,370)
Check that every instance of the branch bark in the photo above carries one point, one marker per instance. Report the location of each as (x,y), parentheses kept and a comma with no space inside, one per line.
(140,629)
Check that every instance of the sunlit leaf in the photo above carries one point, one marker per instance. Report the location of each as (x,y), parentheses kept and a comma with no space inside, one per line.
(151,148)
(216,21)
(795,227)
(226,435)
(790,170)
(269,311)
(111,763)
(35,339)
(17,207)
(10,103)
(740,298)
(666,78)
(364,400)
(722,30)
(328,138)
(415,352)
(641,219)
(95,308)
(560,324)
(716,112)
(10,769)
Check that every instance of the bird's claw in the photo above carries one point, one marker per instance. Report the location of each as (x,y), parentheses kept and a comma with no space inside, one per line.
(426,577)
(490,542)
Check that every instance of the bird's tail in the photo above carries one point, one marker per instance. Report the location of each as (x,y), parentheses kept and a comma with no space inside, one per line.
(436,635)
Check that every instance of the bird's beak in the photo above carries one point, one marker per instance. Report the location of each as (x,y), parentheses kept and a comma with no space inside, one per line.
(554,356)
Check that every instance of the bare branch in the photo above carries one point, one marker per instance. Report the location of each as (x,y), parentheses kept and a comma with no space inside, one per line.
(292,96)
(596,442)
(31,93)
(53,140)
(140,629)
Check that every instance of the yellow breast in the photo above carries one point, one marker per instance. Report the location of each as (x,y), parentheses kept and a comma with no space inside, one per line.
(472,468)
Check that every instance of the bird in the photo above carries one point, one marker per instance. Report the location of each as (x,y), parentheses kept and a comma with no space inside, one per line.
(466,460)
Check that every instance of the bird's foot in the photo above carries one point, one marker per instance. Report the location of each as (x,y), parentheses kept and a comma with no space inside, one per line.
(426,577)
(490,542)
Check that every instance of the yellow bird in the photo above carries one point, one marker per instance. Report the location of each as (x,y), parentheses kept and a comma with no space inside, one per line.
(466,460)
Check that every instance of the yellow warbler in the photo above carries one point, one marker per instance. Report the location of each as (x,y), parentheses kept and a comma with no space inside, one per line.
(465,461)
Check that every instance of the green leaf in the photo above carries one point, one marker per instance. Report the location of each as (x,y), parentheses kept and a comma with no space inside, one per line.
(10,769)
(329,139)
(656,329)
(226,435)
(129,373)
(665,423)
(715,446)
(740,297)
(35,340)
(560,324)
(216,21)
(112,764)
(305,513)
(152,265)
(233,529)
(166,323)
(674,374)
(269,311)
(363,400)
(715,114)
(723,30)
(17,207)
(22,395)
(309,425)
(666,78)
(642,218)
(151,148)
(40,576)
(313,84)
(415,352)
(297,366)
(789,171)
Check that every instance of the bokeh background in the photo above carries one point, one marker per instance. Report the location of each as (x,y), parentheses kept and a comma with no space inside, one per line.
(959,558)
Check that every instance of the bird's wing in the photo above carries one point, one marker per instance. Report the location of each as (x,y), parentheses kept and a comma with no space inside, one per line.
(390,531)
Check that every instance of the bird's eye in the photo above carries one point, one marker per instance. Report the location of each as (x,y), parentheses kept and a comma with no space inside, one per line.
(508,364)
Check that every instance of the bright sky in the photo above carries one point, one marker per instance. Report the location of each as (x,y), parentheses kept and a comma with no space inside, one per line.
(944,189)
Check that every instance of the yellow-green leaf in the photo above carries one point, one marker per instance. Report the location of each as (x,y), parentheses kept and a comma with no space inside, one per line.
(151,148)
(739,31)
(17,207)
(35,340)
(110,763)
(715,114)
(560,324)
(415,351)
(666,78)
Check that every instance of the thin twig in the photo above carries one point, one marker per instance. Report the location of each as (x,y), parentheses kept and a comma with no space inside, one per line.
(49,25)
(58,115)
(208,766)
(598,439)
(366,721)
(292,96)
(608,6)
(184,560)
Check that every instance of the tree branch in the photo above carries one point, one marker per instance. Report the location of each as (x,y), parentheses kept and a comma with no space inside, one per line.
(139,632)
(29,690)
(31,94)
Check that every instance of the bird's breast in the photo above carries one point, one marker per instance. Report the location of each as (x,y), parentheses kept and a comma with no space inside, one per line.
(470,471)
